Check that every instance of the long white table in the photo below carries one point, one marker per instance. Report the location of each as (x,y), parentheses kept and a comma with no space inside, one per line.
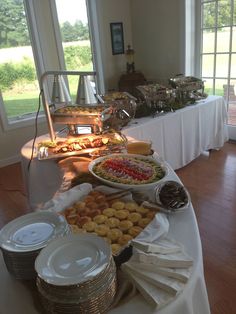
(181,136)
(16,298)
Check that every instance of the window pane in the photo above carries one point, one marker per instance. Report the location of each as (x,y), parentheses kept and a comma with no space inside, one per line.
(234,18)
(18,79)
(223,39)
(208,16)
(233,65)
(222,65)
(207,65)
(224,13)
(208,41)
(73,20)
(234,38)
(208,84)
(220,87)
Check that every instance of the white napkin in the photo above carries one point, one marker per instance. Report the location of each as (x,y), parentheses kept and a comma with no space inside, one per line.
(63,200)
(181,274)
(163,246)
(155,296)
(170,285)
(175,260)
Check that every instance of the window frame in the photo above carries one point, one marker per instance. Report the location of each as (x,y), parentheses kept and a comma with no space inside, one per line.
(43,57)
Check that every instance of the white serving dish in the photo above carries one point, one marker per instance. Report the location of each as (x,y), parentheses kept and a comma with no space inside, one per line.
(117,185)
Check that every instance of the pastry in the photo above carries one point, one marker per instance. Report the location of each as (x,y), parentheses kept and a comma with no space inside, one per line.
(142,210)
(112,222)
(102,230)
(72,219)
(124,225)
(76,229)
(134,217)
(100,219)
(89,226)
(118,205)
(109,212)
(103,205)
(151,214)
(94,212)
(131,206)
(107,240)
(79,205)
(115,247)
(143,222)
(134,231)
(124,239)
(114,234)
(83,220)
(121,214)
(92,205)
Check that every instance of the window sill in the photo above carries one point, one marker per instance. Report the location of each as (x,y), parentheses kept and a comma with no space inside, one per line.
(23,121)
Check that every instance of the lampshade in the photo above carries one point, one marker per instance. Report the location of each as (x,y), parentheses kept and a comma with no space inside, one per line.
(85,92)
(60,93)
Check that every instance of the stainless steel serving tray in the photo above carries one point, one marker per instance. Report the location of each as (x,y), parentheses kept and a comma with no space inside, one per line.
(91,114)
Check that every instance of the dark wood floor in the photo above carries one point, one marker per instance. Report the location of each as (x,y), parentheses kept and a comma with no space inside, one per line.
(211,181)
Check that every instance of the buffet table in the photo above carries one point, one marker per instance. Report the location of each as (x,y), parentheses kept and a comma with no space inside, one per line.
(21,298)
(178,137)
(181,136)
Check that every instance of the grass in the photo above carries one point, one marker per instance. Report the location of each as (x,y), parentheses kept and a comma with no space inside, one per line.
(24,98)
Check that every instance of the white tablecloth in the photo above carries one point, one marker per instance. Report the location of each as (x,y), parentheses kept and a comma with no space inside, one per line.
(15,298)
(182,136)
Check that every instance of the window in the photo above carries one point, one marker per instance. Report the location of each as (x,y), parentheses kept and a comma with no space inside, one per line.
(218,51)
(18,79)
(19,99)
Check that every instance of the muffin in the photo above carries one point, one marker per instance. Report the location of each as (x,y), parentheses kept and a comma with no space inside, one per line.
(131,206)
(143,222)
(89,226)
(115,247)
(142,210)
(112,222)
(118,205)
(124,239)
(134,231)
(125,225)
(102,230)
(100,219)
(114,234)
(109,212)
(134,217)
(121,214)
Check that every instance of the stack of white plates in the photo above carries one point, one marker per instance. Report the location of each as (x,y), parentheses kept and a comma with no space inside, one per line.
(22,239)
(76,274)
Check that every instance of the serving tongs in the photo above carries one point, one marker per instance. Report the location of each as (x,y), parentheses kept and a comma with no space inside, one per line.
(118,194)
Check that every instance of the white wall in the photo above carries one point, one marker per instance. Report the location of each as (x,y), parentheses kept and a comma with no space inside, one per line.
(159,37)
(110,11)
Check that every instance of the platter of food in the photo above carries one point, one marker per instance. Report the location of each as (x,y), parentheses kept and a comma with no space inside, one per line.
(113,215)
(80,145)
(129,171)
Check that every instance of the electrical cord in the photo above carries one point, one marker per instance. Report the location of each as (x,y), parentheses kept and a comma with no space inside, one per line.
(36,129)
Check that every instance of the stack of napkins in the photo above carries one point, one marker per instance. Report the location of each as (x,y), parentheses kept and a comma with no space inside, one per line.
(159,270)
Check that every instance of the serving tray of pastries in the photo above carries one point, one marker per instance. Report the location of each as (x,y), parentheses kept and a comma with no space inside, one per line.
(115,218)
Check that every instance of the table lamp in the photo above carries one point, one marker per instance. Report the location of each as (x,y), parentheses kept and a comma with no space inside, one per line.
(129,53)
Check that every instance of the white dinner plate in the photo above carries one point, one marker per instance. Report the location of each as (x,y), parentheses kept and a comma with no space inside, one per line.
(32,231)
(123,185)
(73,259)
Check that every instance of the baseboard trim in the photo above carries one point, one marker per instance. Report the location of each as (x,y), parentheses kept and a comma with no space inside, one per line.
(9,161)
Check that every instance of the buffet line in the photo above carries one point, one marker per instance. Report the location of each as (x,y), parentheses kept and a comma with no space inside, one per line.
(112,219)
